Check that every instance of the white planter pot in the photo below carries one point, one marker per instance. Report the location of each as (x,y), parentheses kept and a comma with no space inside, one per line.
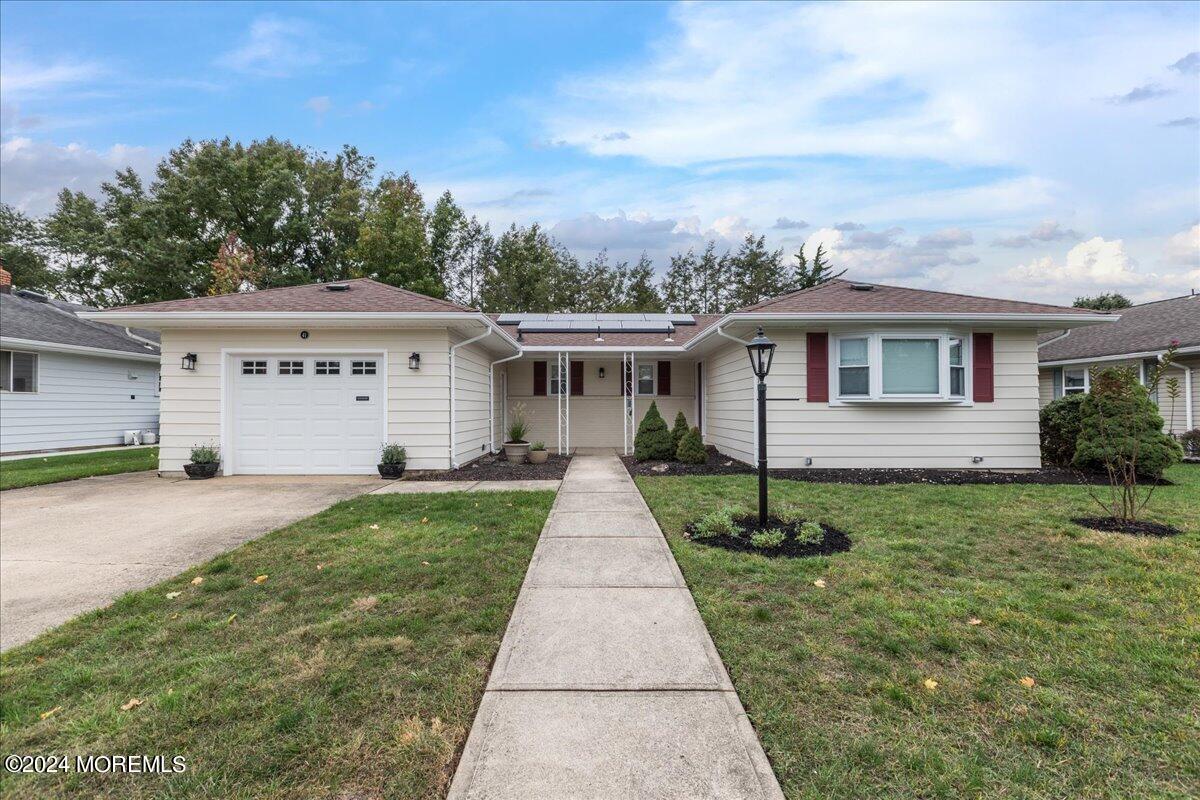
(516,451)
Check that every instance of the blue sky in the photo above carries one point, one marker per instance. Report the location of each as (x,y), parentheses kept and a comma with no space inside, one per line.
(1024,150)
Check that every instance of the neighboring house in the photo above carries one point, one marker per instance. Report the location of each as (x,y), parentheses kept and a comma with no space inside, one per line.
(312,379)
(1138,339)
(68,383)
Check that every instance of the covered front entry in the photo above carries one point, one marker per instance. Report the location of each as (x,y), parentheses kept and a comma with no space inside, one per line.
(304,413)
(582,400)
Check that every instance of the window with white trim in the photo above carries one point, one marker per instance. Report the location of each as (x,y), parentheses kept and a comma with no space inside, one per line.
(254,368)
(1075,380)
(362,367)
(291,367)
(555,384)
(900,366)
(645,382)
(327,367)
(18,371)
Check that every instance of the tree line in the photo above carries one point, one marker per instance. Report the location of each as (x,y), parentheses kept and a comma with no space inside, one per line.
(220,216)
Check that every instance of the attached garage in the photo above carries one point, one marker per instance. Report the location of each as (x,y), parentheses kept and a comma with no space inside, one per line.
(305,413)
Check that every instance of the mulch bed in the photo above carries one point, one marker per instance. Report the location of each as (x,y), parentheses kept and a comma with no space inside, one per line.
(1114,525)
(719,464)
(835,541)
(497,468)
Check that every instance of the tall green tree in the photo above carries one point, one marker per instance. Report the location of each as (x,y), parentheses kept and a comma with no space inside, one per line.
(22,249)
(641,295)
(712,281)
(77,239)
(679,284)
(756,273)
(447,237)
(476,261)
(1111,301)
(526,267)
(392,244)
(806,274)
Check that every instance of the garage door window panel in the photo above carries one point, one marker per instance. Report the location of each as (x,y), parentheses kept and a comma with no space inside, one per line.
(362,367)
(291,367)
(327,367)
(254,367)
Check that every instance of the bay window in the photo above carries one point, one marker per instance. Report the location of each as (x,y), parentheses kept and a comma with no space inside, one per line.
(901,366)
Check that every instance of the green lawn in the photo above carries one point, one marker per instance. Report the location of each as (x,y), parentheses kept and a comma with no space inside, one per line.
(352,671)
(1106,625)
(37,470)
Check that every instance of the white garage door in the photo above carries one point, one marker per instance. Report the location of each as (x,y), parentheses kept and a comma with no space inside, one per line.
(316,414)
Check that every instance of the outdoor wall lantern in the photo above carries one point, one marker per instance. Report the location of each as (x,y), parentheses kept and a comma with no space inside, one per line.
(414,361)
(600,373)
(762,351)
(189,361)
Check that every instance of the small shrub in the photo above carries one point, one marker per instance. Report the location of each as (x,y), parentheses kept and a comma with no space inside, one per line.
(653,441)
(768,539)
(537,446)
(810,533)
(691,448)
(680,430)
(716,523)
(205,454)
(1059,424)
(392,454)
(1191,442)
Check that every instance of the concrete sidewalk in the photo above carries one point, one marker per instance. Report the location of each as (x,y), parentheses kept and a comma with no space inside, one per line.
(607,684)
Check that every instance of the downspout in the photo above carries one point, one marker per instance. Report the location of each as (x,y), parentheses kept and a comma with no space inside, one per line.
(453,419)
(492,398)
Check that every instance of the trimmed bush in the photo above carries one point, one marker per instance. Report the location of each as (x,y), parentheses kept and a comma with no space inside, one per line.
(810,533)
(768,539)
(1059,424)
(691,448)
(680,430)
(1191,443)
(653,441)
(1121,426)
(716,523)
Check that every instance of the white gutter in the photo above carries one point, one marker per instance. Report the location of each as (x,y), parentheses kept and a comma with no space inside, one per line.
(1066,362)
(1060,337)
(55,347)
(492,398)
(574,348)
(453,419)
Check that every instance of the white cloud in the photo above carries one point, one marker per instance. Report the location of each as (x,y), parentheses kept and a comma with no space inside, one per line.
(1183,249)
(35,171)
(19,76)
(885,256)
(319,105)
(1045,231)
(1096,264)
(276,47)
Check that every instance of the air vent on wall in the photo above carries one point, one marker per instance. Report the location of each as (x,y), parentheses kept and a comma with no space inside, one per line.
(861,287)
(337,287)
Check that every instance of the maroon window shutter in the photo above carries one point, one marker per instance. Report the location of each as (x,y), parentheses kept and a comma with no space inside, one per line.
(576,377)
(818,367)
(664,377)
(539,378)
(984,372)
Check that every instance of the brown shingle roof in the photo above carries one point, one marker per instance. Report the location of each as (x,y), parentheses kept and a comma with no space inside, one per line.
(361,294)
(588,339)
(1141,329)
(838,297)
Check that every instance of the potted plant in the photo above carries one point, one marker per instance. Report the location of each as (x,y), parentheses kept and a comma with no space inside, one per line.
(538,453)
(206,460)
(391,461)
(516,447)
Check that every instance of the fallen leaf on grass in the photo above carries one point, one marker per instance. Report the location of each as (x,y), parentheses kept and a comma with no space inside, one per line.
(1027,682)
(365,603)
(175,615)
(474,527)
(261,579)
(426,563)
(374,527)
(424,520)
(232,617)
(132,704)
(51,712)
(173,595)
(930,684)
(974,621)
(320,566)
(819,583)
(196,581)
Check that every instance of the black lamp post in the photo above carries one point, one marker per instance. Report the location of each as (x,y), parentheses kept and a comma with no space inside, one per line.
(761,350)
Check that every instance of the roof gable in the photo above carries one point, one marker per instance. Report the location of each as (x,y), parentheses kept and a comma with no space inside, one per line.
(840,296)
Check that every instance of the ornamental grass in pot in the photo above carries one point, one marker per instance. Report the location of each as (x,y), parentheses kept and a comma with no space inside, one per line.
(392,458)
(205,462)
(516,447)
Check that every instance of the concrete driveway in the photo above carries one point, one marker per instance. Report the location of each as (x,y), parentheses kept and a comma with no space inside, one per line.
(71,547)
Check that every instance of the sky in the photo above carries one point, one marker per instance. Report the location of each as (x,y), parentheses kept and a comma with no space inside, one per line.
(1024,150)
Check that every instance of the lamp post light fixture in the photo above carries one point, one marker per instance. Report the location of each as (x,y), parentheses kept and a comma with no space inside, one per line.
(762,351)
(414,361)
(189,361)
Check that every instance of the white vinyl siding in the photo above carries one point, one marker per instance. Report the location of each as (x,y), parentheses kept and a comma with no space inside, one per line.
(418,410)
(1004,432)
(80,401)
(471,402)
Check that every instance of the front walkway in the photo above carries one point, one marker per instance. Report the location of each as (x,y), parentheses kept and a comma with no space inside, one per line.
(607,684)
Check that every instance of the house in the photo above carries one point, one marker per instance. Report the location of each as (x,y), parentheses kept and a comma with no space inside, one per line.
(68,383)
(1138,339)
(312,379)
